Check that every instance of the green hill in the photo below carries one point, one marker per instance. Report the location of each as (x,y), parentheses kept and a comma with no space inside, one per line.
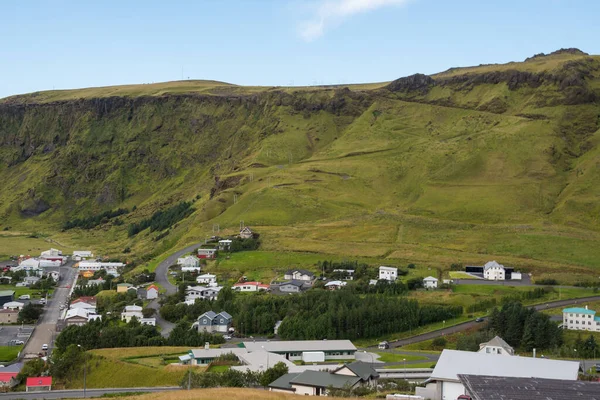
(490,162)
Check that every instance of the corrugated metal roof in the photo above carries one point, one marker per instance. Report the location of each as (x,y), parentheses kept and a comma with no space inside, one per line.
(455,362)
(578,310)
(324,379)
(301,345)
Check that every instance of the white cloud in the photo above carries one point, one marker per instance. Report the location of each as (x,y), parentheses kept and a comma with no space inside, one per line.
(333,12)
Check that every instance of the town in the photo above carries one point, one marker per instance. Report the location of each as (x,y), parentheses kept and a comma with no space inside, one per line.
(64,306)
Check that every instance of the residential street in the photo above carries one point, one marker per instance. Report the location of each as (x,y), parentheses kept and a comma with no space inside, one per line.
(45,331)
(78,394)
(162,279)
(470,324)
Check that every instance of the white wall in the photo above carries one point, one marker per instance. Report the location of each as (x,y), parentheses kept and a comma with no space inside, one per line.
(451,390)
(304,390)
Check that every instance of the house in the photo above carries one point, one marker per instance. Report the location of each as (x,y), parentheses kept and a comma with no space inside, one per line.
(8,316)
(292,349)
(38,384)
(388,273)
(516,276)
(97,265)
(493,271)
(86,274)
(6,296)
(31,280)
(51,253)
(14,305)
(54,275)
(80,316)
(98,281)
(29,264)
(152,292)
(293,286)
(581,319)
(207,253)
(83,305)
(123,287)
(190,263)
(250,286)
(299,275)
(259,361)
(130,312)
(213,322)
(206,278)
(8,379)
(496,346)
(82,255)
(481,387)
(201,292)
(430,282)
(246,233)
(225,244)
(335,285)
(445,384)
(317,383)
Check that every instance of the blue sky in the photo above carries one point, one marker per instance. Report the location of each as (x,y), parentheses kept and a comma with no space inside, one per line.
(69,44)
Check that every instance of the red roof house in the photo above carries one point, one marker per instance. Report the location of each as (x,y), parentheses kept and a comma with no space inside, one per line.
(8,379)
(91,300)
(39,384)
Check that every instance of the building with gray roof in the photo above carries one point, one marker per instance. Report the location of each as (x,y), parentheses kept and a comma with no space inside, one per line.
(481,387)
(496,346)
(292,349)
(445,384)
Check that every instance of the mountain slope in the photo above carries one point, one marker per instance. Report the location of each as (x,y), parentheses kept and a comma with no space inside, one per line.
(491,161)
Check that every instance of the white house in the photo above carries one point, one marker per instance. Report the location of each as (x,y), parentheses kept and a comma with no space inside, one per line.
(581,319)
(80,316)
(130,312)
(430,282)
(152,292)
(444,383)
(225,244)
(52,253)
(496,346)
(493,271)
(190,263)
(13,305)
(97,265)
(250,286)
(299,275)
(201,292)
(335,285)
(246,233)
(293,349)
(30,265)
(388,273)
(83,305)
(206,278)
(148,321)
(79,255)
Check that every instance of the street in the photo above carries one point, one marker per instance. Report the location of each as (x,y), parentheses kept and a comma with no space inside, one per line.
(45,331)
(78,394)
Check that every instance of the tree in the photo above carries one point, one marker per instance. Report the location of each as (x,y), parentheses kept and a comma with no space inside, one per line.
(33,367)
(66,364)
(30,313)
(273,373)
(148,312)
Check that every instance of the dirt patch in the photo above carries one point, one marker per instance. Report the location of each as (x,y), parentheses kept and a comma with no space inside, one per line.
(343,176)
(223,184)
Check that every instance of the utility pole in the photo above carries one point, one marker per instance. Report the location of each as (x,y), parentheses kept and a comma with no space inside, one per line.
(189,378)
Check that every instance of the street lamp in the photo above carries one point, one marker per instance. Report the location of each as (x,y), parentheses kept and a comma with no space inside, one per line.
(84,369)
(404,359)
(370,354)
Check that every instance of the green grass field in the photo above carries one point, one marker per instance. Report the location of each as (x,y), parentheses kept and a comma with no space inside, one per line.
(395,357)
(9,353)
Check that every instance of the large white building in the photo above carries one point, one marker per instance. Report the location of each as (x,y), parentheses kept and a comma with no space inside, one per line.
(97,265)
(581,319)
(445,384)
(493,271)
(388,273)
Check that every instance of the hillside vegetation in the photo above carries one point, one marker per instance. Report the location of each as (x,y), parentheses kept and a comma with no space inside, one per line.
(490,162)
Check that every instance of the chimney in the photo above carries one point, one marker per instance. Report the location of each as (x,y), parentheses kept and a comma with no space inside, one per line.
(534,353)
(206,345)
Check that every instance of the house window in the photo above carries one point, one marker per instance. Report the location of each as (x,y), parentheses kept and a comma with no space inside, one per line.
(204,321)
(487,350)
(499,351)
(222,321)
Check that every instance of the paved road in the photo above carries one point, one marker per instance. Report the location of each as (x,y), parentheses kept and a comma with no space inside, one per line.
(161,278)
(45,331)
(65,394)
(470,324)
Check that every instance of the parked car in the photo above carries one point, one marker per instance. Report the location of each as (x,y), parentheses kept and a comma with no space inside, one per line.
(226,337)
(43,300)
(597,368)
(383,345)
(479,319)
(25,297)
(44,347)
(21,284)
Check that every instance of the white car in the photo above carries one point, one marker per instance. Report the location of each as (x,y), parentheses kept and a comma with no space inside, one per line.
(226,337)
(44,347)
(24,297)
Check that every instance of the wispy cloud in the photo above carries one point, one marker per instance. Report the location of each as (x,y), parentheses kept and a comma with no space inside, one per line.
(333,12)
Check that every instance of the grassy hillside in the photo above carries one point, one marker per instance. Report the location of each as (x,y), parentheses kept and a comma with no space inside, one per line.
(490,162)
(209,394)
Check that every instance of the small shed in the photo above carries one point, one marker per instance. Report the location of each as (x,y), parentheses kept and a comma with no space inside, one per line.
(39,384)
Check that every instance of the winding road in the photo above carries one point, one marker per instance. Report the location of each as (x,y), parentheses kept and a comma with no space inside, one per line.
(162,279)
(466,325)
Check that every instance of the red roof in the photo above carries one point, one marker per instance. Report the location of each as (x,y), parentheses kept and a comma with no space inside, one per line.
(5,376)
(152,287)
(39,381)
(85,299)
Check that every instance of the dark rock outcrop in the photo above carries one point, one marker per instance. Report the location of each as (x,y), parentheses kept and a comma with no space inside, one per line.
(419,83)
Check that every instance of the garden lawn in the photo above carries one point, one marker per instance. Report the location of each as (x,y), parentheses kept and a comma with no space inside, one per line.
(396,357)
(9,353)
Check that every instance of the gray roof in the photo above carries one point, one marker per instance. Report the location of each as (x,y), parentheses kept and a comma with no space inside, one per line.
(7,293)
(498,342)
(214,353)
(363,370)
(325,379)
(283,382)
(300,345)
(226,314)
(497,388)
(455,362)
(16,367)
(208,314)
(294,282)
(302,271)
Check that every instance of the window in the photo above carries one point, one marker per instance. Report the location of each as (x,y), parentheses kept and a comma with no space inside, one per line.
(222,321)
(204,321)
(499,351)
(487,350)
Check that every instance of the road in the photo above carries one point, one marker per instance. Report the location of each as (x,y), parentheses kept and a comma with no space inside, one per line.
(162,279)
(466,325)
(78,394)
(45,331)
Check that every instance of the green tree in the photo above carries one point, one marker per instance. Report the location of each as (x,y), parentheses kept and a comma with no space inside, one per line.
(30,313)
(273,373)
(33,367)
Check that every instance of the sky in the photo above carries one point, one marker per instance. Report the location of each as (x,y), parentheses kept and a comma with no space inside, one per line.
(63,44)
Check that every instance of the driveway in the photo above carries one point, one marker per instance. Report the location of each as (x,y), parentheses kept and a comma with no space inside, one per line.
(466,325)
(45,330)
